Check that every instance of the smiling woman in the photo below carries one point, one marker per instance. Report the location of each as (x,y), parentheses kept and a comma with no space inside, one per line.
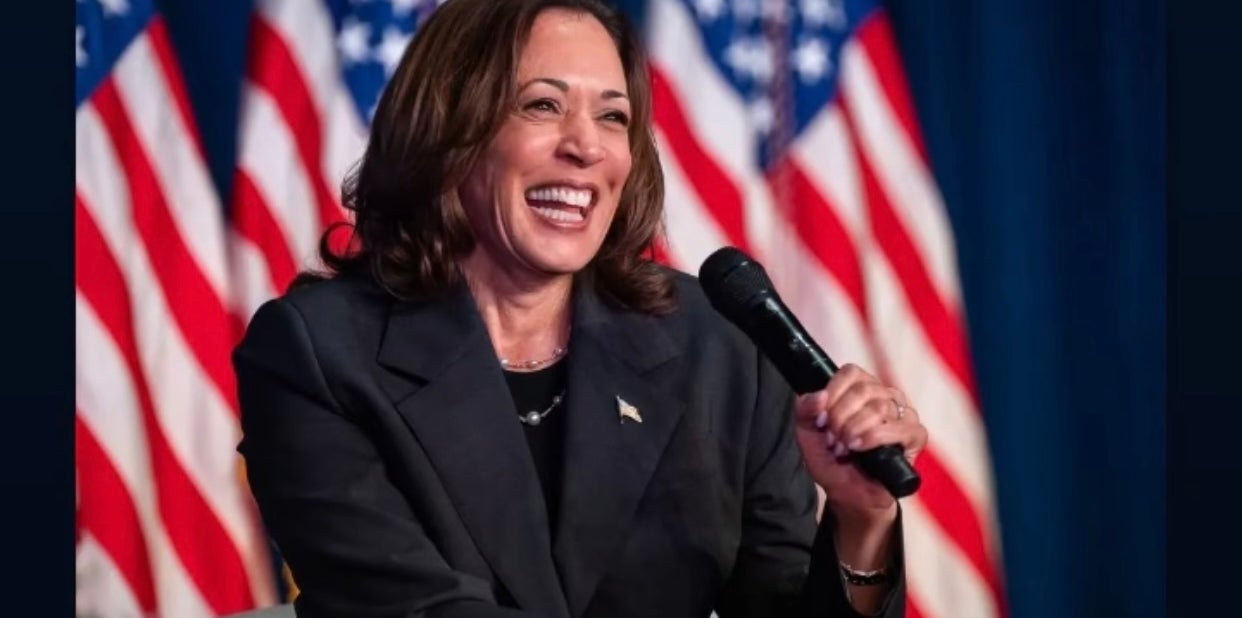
(494,404)
(467,125)
(544,194)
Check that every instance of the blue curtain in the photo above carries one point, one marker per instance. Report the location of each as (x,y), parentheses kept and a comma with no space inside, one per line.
(1045,126)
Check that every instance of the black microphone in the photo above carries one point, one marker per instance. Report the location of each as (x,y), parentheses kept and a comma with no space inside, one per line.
(741,291)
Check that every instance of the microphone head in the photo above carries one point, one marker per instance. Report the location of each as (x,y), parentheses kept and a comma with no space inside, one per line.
(733,281)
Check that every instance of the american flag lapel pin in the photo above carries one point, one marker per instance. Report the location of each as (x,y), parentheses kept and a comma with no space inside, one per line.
(625,410)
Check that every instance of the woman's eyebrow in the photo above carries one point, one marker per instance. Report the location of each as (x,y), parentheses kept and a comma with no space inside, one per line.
(563,86)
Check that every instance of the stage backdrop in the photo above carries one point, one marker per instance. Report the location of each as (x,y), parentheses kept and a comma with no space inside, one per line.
(1044,125)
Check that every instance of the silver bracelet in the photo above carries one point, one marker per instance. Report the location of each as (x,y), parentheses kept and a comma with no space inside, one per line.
(856,577)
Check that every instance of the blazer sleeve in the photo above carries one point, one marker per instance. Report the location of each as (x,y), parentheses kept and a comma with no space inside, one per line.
(786,563)
(350,538)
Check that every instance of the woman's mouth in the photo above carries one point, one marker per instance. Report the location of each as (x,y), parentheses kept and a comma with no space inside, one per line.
(560,203)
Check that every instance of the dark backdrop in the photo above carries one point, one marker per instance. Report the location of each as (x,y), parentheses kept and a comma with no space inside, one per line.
(1045,127)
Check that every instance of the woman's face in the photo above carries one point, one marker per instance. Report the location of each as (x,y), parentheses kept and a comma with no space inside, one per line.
(543,196)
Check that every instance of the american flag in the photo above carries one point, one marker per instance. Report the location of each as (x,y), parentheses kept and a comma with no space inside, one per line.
(786,128)
(164,523)
(314,75)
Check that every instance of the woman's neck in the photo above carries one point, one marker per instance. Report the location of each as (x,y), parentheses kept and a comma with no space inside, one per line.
(527,318)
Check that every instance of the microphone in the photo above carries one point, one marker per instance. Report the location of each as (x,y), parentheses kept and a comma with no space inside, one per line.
(740,290)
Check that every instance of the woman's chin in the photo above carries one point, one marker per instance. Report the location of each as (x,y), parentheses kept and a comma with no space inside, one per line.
(558,263)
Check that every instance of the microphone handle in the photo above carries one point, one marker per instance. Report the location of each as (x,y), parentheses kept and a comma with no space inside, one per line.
(807,369)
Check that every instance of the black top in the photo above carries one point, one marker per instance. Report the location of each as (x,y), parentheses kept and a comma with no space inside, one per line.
(534,391)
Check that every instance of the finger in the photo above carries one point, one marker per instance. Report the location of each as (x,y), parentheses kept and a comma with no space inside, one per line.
(874,413)
(853,400)
(910,437)
(809,410)
(852,407)
(907,415)
(846,377)
(899,397)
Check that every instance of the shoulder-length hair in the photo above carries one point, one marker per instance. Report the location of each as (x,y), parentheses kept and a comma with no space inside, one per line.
(454,87)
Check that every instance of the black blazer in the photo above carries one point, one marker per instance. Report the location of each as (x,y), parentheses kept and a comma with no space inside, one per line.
(383,449)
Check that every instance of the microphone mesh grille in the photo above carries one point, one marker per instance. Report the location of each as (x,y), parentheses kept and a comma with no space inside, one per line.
(731,279)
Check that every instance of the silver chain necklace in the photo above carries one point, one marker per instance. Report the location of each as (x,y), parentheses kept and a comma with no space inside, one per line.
(534,417)
(528,365)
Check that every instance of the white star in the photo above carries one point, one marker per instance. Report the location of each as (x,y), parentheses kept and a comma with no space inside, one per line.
(709,10)
(354,40)
(811,60)
(391,48)
(403,7)
(79,54)
(115,7)
(775,10)
(745,11)
(751,57)
(762,114)
(829,13)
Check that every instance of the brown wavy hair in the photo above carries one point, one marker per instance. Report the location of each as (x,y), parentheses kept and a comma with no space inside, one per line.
(454,87)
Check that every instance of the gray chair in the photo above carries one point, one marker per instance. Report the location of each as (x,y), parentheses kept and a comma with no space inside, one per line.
(277,611)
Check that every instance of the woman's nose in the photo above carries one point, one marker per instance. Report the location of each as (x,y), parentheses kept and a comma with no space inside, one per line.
(580,141)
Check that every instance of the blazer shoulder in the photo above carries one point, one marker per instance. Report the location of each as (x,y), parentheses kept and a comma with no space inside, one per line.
(331,311)
(329,297)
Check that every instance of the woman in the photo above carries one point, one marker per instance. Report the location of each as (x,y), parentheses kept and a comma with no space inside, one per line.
(496,406)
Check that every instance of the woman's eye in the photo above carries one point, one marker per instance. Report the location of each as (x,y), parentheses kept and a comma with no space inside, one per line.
(618,117)
(542,105)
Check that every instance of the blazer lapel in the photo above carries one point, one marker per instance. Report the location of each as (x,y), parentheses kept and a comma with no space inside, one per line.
(462,414)
(609,458)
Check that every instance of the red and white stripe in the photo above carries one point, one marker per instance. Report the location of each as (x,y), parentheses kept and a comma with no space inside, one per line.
(299,134)
(166,524)
(855,232)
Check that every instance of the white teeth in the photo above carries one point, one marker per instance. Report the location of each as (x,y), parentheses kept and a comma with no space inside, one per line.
(559,215)
(564,195)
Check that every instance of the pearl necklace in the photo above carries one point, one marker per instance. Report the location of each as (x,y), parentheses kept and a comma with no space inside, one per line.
(528,365)
(534,417)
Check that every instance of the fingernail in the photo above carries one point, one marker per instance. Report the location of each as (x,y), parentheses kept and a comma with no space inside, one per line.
(821,421)
(830,438)
(855,444)
(840,450)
